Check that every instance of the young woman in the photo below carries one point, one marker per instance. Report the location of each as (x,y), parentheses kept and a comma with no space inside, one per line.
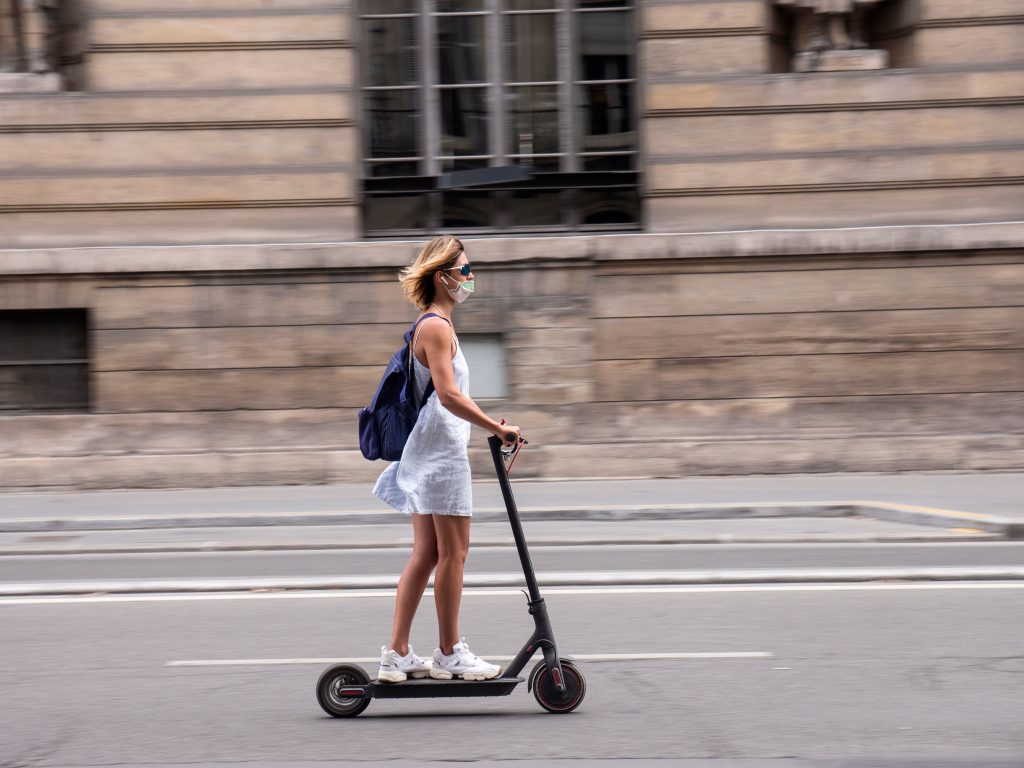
(431,482)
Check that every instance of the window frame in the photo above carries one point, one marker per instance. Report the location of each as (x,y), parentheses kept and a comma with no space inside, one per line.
(429,158)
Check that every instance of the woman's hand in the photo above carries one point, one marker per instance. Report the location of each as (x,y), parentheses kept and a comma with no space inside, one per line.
(504,430)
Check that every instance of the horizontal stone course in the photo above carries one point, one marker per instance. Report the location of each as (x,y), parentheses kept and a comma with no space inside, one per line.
(841,206)
(220,69)
(832,131)
(195,188)
(810,375)
(168,149)
(173,110)
(213,29)
(855,287)
(746,172)
(809,333)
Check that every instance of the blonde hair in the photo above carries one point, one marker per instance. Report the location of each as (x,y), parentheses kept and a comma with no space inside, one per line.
(418,278)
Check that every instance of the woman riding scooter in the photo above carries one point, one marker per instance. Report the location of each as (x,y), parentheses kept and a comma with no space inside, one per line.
(432,482)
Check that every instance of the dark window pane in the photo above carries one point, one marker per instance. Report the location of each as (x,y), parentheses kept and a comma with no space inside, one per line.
(606,46)
(609,206)
(533,119)
(529,208)
(389,51)
(384,170)
(463,121)
(531,46)
(531,5)
(395,212)
(603,3)
(456,6)
(393,123)
(387,6)
(37,335)
(462,210)
(607,117)
(44,360)
(540,164)
(460,41)
(454,164)
(608,163)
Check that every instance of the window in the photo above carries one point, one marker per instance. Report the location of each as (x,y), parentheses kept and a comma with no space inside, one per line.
(486,357)
(44,362)
(497,115)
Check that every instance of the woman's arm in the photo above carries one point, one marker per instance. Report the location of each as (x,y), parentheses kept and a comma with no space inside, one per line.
(436,342)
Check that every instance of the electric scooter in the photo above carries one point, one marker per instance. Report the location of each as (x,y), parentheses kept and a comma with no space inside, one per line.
(345,690)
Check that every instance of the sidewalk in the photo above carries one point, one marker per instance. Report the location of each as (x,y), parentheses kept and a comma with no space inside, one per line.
(796,508)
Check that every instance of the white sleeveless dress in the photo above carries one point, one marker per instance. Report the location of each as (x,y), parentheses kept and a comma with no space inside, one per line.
(432,477)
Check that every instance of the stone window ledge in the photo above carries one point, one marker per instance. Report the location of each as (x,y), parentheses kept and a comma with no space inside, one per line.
(29,82)
(384,254)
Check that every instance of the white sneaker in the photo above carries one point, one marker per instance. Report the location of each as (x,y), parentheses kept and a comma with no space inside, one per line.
(395,668)
(462,663)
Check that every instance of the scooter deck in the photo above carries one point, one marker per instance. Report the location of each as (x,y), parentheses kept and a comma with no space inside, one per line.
(430,688)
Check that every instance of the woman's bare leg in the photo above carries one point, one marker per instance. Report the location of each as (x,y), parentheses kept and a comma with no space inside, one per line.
(452,547)
(414,580)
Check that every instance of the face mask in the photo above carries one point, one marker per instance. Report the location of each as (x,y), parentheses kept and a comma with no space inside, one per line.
(462,291)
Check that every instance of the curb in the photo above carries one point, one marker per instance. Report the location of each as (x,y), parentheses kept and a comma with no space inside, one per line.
(890,512)
(483,515)
(515,580)
(725,538)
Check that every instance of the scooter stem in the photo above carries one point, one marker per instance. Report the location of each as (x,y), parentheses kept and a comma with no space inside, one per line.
(513,518)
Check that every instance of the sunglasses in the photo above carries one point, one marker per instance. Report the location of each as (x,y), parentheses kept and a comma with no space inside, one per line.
(464,270)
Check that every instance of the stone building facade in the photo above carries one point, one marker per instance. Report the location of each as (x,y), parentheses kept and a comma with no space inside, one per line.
(801,250)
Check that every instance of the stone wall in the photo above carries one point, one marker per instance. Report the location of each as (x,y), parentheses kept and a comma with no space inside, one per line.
(195,122)
(731,145)
(890,349)
(830,277)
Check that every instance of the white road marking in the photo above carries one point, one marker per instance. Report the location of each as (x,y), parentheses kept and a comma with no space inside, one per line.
(591,657)
(390,593)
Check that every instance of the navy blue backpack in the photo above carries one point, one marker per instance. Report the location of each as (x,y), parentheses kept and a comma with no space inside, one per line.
(384,426)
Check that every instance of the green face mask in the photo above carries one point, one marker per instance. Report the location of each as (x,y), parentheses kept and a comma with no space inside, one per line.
(462,291)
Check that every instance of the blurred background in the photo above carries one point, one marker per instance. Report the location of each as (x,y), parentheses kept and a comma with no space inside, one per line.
(748,236)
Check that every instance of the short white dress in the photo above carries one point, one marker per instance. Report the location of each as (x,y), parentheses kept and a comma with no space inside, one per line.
(432,477)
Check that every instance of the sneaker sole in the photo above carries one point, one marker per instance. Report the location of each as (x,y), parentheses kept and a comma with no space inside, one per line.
(440,674)
(391,677)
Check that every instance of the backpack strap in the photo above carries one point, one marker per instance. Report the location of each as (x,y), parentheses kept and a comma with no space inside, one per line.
(415,330)
(411,373)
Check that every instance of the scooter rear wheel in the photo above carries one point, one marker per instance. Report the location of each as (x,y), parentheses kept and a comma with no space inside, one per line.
(332,681)
(560,702)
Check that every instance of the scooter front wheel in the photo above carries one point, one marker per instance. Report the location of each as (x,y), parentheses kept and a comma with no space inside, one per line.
(333,681)
(551,698)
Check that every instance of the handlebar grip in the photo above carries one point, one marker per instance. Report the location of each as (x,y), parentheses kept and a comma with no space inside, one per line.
(509,437)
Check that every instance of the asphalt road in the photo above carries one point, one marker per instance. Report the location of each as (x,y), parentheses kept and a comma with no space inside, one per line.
(504,560)
(895,675)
